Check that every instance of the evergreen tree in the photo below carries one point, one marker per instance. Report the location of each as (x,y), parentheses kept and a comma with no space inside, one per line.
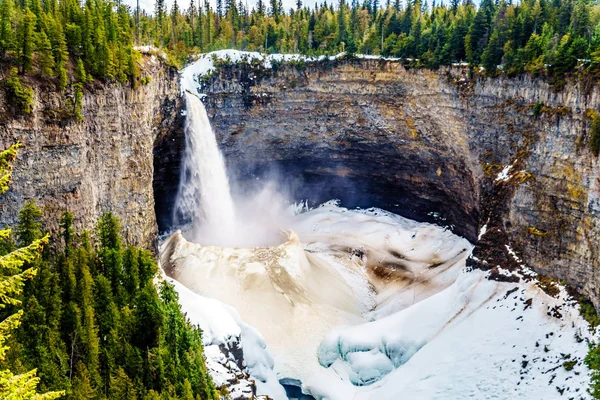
(26,39)
(46,58)
(12,279)
(342,28)
(29,228)
(6,29)
(82,384)
(61,56)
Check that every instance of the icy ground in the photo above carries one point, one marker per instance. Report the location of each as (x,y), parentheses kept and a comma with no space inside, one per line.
(369,305)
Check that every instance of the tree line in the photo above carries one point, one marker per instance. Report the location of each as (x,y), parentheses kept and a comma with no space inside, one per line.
(537,36)
(68,41)
(75,42)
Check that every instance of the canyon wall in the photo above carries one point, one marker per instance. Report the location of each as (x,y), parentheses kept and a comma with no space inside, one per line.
(103,163)
(428,145)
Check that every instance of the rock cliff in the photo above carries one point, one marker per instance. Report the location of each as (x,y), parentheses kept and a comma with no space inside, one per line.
(103,163)
(428,145)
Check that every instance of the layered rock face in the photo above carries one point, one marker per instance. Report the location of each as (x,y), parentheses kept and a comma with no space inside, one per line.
(103,163)
(357,132)
(428,145)
(425,144)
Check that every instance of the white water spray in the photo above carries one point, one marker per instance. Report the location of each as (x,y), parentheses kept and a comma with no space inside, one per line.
(204,195)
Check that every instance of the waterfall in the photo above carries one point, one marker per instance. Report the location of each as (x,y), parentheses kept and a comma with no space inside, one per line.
(204,197)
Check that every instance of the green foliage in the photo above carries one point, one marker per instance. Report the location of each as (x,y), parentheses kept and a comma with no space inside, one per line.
(80,74)
(553,39)
(537,108)
(25,39)
(588,312)
(29,227)
(46,59)
(14,271)
(100,327)
(595,133)
(22,96)
(592,360)
(7,157)
(569,365)
(6,28)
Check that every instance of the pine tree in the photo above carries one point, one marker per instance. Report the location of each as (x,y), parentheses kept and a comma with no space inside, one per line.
(492,56)
(187,394)
(454,5)
(260,8)
(342,28)
(46,59)
(61,56)
(29,228)
(82,384)
(199,33)
(81,77)
(6,29)
(159,11)
(12,279)
(220,8)
(26,39)
(7,157)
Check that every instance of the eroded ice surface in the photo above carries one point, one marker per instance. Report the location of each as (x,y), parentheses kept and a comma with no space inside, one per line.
(369,305)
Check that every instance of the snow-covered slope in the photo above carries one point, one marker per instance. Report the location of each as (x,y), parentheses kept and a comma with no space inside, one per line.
(476,339)
(422,327)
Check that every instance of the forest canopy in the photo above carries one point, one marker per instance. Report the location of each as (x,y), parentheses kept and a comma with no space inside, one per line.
(94,323)
(75,42)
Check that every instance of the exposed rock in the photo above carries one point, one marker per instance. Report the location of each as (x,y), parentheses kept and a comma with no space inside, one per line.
(103,163)
(428,145)
(425,144)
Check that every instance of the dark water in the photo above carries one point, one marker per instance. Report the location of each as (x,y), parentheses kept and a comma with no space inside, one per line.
(293,390)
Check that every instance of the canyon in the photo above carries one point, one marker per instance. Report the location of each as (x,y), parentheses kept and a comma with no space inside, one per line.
(354,303)
(428,145)
(504,163)
(425,144)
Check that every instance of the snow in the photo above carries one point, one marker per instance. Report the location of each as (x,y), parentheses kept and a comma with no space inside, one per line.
(151,50)
(319,279)
(205,63)
(365,304)
(482,232)
(504,174)
(222,326)
(471,340)
(430,329)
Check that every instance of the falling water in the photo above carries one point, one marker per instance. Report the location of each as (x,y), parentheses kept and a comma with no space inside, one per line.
(204,196)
